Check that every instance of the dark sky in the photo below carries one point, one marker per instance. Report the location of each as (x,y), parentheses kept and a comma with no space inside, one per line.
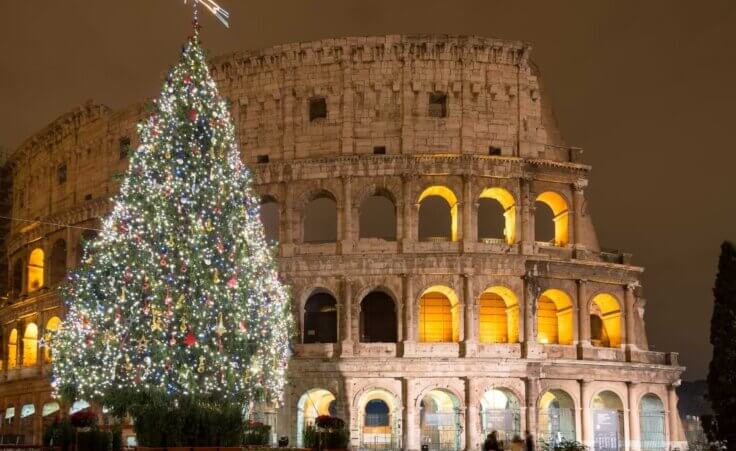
(648,89)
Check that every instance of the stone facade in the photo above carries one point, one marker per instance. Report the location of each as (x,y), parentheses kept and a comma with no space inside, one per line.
(404,118)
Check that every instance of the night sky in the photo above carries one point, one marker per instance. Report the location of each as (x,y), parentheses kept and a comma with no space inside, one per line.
(648,89)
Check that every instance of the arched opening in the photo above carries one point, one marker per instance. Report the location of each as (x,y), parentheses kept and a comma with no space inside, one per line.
(378,217)
(651,423)
(554,318)
(320,318)
(497,215)
(498,316)
(438,214)
(608,421)
(500,412)
(17,280)
(78,406)
(439,315)
(378,318)
(270,219)
(313,403)
(85,241)
(27,412)
(49,412)
(58,262)
(320,219)
(605,321)
(440,421)
(13,349)
(30,345)
(52,326)
(559,221)
(380,425)
(35,269)
(556,420)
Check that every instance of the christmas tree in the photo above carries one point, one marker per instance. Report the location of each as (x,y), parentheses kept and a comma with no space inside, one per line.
(179,296)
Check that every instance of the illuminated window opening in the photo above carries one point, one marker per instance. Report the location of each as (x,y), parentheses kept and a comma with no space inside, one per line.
(498,316)
(27,410)
(13,349)
(439,316)
(556,417)
(30,345)
(508,204)
(35,269)
(449,197)
(52,326)
(607,309)
(554,318)
(50,408)
(500,412)
(561,218)
(608,409)
(439,419)
(313,403)
(78,406)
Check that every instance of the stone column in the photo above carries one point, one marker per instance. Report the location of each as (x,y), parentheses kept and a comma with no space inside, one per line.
(468,236)
(630,305)
(346,329)
(530,321)
(578,201)
(411,418)
(586,416)
(583,314)
(410,320)
(634,426)
(287,222)
(532,393)
(472,419)
(349,413)
(673,416)
(346,243)
(470,341)
(527,216)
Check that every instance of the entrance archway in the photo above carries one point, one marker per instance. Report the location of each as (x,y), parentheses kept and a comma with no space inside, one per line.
(313,403)
(651,423)
(379,417)
(556,420)
(440,420)
(608,421)
(500,412)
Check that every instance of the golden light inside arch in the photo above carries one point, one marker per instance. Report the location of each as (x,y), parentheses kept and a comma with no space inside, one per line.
(449,197)
(439,315)
(508,204)
(610,313)
(498,316)
(35,269)
(561,213)
(554,318)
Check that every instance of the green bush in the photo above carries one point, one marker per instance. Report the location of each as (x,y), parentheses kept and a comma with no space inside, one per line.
(256,433)
(309,437)
(564,445)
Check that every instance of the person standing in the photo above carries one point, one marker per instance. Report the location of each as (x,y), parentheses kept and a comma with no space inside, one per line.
(491,443)
(529,441)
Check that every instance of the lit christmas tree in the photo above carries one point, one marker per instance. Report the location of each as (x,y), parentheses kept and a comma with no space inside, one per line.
(179,296)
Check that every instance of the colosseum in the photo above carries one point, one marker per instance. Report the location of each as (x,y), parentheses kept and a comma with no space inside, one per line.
(433,226)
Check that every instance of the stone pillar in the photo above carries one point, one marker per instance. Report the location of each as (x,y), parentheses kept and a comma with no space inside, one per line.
(673,416)
(470,341)
(634,426)
(287,222)
(578,201)
(473,428)
(583,314)
(587,433)
(411,431)
(630,305)
(532,394)
(530,321)
(410,320)
(407,235)
(346,243)
(348,411)
(527,216)
(467,215)
(346,329)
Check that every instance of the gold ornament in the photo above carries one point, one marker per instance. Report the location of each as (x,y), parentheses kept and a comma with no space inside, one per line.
(220,329)
(216,277)
(200,367)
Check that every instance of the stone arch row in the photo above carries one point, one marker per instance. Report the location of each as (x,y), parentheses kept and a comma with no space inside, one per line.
(459,418)
(496,316)
(496,212)
(27,344)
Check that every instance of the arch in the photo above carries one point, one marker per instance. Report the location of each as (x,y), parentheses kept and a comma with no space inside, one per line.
(561,215)
(320,318)
(436,217)
(78,406)
(500,411)
(30,345)
(606,310)
(57,262)
(379,414)
(378,216)
(498,316)
(313,403)
(378,322)
(52,326)
(554,318)
(13,349)
(35,269)
(270,218)
(652,423)
(440,420)
(508,204)
(556,416)
(17,279)
(608,420)
(439,315)
(319,224)
(50,408)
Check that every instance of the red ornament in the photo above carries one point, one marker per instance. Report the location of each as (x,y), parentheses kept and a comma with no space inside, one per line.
(232,283)
(192,115)
(190,339)
(187,79)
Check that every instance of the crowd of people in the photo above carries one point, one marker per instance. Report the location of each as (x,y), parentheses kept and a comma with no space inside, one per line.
(492,443)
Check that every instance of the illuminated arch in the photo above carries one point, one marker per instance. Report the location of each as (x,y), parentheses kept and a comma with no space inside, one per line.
(52,326)
(13,349)
(313,403)
(500,412)
(449,196)
(652,422)
(379,418)
(30,345)
(554,318)
(439,315)
(605,315)
(498,317)
(439,419)
(561,213)
(556,416)
(506,199)
(607,405)
(35,269)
